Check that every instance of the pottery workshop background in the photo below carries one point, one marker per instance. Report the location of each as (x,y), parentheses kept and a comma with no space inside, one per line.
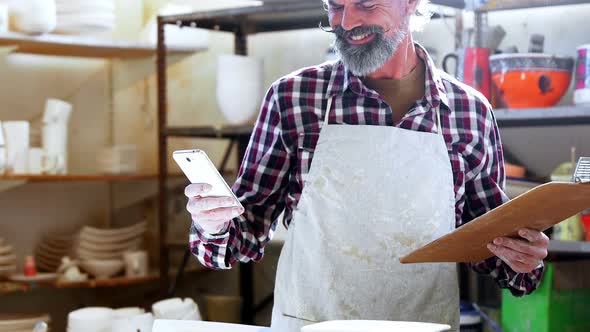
(125,91)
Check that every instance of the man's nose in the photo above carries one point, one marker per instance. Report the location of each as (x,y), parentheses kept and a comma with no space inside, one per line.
(350,19)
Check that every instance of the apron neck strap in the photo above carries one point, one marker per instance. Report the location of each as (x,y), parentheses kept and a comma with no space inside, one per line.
(438,123)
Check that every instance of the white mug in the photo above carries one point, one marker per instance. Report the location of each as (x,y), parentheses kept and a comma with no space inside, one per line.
(16,134)
(3,18)
(136,263)
(34,16)
(57,111)
(2,151)
(36,156)
(55,144)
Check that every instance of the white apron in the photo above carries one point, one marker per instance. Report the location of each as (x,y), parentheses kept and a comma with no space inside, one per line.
(372,195)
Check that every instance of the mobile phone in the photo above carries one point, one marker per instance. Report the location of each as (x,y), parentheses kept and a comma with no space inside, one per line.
(198,168)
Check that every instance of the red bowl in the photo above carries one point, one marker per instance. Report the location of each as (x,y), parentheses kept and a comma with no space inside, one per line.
(529,80)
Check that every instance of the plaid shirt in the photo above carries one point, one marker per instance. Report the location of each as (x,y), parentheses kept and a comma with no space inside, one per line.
(283,142)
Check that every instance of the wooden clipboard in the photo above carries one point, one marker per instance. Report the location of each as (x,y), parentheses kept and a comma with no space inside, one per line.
(539,208)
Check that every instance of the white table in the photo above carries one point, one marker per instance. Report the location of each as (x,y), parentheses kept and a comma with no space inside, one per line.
(162,325)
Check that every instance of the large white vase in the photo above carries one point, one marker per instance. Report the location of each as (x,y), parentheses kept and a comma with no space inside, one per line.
(240,87)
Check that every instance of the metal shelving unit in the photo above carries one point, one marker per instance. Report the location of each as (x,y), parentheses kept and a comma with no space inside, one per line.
(279,15)
(569,249)
(553,116)
(482,7)
(496,5)
(561,116)
(270,17)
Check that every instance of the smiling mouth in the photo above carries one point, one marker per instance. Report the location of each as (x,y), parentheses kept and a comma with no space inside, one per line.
(360,39)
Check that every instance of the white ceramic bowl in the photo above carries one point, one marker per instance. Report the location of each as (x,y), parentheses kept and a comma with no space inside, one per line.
(91,255)
(128,312)
(174,308)
(103,269)
(193,315)
(5,249)
(101,232)
(108,239)
(141,323)
(110,247)
(373,326)
(91,319)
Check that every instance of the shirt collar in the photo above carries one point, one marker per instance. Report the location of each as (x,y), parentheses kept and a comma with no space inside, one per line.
(435,92)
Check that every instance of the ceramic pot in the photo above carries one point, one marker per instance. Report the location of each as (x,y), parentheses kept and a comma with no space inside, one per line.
(524,80)
(473,68)
(240,88)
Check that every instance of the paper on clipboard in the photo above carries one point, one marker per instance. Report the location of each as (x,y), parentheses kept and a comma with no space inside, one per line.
(539,208)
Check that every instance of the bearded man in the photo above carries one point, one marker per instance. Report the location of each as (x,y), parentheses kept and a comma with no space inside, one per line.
(366,159)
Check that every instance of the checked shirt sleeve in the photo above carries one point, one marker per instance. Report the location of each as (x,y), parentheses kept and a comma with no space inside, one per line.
(484,192)
(261,187)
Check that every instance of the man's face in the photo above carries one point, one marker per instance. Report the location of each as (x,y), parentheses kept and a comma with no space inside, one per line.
(368,32)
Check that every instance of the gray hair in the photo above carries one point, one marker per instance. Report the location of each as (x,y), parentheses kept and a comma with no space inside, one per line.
(420,18)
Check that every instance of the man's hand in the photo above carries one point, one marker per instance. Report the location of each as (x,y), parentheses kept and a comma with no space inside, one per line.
(522,255)
(212,214)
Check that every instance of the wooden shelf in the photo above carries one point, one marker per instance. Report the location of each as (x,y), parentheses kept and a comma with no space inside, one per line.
(551,116)
(268,16)
(569,248)
(11,287)
(517,187)
(87,48)
(496,5)
(83,178)
(114,282)
(210,131)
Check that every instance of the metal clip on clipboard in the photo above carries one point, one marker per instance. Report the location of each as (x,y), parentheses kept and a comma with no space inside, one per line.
(582,173)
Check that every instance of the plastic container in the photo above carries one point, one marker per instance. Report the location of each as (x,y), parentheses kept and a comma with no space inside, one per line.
(586,223)
(470,319)
(547,309)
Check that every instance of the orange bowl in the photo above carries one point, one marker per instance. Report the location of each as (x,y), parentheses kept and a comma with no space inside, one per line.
(529,80)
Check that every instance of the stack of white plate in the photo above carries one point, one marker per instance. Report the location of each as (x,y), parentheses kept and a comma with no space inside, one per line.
(92,319)
(108,244)
(85,17)
(7,259)
(51,249)
(20,323)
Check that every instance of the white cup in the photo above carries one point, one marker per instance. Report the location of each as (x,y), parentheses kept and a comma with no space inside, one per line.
(16,134)
(128,312)
(176,308)
(55,144)
(3,163)
(57,111)
(34,16)
(136,263)
(36,156)
(3,17)
(141,323)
